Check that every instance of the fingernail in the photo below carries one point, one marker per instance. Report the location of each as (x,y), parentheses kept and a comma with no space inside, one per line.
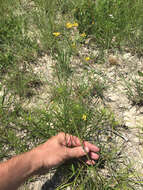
(86,149)
(98,149)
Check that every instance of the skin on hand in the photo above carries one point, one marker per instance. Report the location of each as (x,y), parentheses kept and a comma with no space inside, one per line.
(63,147)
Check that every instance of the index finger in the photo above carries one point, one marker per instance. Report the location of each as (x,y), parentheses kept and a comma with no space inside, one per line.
(92,147)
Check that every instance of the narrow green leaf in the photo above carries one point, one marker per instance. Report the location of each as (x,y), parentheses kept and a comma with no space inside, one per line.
(140,73)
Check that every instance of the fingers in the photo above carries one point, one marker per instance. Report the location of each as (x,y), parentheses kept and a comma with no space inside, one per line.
(90,162)
(81,148)
(77,152)
(73,141)
(69,140)
(91,147)
(93,156)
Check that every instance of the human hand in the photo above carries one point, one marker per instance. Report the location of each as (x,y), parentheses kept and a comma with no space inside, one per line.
(52,153)
(63,147)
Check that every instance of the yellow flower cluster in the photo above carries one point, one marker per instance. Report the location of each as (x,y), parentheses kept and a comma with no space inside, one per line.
(70,25)
(84,117)
(56,34)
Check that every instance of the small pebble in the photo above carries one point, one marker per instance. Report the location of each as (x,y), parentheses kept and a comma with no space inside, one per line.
(113,60)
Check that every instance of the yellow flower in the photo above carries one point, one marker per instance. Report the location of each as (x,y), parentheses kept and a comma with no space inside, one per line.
(74,45)
(75,24)
(87,58)
(69,25)
(56,34)
(93,22)
(84,117)
(83,35)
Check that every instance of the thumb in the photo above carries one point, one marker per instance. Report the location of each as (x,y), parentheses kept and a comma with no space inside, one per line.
(77,152)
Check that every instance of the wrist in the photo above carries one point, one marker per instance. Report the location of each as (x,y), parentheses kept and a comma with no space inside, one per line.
(38,160)
(35,161)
